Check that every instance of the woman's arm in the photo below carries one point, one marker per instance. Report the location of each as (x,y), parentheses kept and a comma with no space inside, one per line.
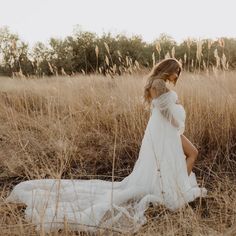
(170,117)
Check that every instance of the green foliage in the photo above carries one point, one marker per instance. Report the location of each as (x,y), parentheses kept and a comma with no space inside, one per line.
(86,52)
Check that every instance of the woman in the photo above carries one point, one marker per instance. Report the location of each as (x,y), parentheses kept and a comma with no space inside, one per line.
(169,70)
(159,176)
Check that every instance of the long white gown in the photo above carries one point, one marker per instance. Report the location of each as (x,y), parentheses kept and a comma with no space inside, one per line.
(158,177)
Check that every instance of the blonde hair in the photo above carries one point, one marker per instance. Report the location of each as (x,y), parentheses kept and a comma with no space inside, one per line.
(161,70)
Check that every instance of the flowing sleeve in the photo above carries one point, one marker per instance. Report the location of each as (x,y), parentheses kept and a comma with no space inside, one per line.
(165,102)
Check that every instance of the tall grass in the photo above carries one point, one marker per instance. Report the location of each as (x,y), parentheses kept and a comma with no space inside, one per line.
(71,127)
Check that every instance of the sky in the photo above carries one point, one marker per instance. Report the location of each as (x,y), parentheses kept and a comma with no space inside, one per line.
(38,20)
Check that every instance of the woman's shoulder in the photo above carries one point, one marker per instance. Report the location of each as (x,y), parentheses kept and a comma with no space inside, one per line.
(158,88)
(170,95)
(159,85)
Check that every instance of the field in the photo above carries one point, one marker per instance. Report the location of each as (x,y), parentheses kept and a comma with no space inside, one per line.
(74,127)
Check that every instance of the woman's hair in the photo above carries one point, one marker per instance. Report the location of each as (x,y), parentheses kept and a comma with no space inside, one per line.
(161,70)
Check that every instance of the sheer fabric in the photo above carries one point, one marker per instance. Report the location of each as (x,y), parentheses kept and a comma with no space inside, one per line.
(159,176)
(166,104)
(173,112)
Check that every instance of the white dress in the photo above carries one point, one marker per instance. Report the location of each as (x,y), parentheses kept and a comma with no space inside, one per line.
(159,176)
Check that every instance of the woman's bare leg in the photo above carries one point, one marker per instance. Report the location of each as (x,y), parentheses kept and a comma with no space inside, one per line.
(190,151)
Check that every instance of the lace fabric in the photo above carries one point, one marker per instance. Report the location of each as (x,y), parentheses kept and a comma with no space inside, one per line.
(173,112)
(159,176)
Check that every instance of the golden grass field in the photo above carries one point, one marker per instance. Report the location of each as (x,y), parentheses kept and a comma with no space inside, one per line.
(74,127)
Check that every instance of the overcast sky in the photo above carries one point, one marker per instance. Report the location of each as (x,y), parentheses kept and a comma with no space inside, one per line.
(38,20)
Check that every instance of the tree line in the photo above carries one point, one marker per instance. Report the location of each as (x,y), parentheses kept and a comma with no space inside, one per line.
(86,52)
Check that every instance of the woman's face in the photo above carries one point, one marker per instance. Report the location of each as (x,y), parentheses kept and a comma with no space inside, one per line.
(173,77)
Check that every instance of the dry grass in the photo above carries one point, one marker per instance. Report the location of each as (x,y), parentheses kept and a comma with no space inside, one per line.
(65,128)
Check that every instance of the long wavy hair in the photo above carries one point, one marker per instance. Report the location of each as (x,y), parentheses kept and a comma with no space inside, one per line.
(161,70)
